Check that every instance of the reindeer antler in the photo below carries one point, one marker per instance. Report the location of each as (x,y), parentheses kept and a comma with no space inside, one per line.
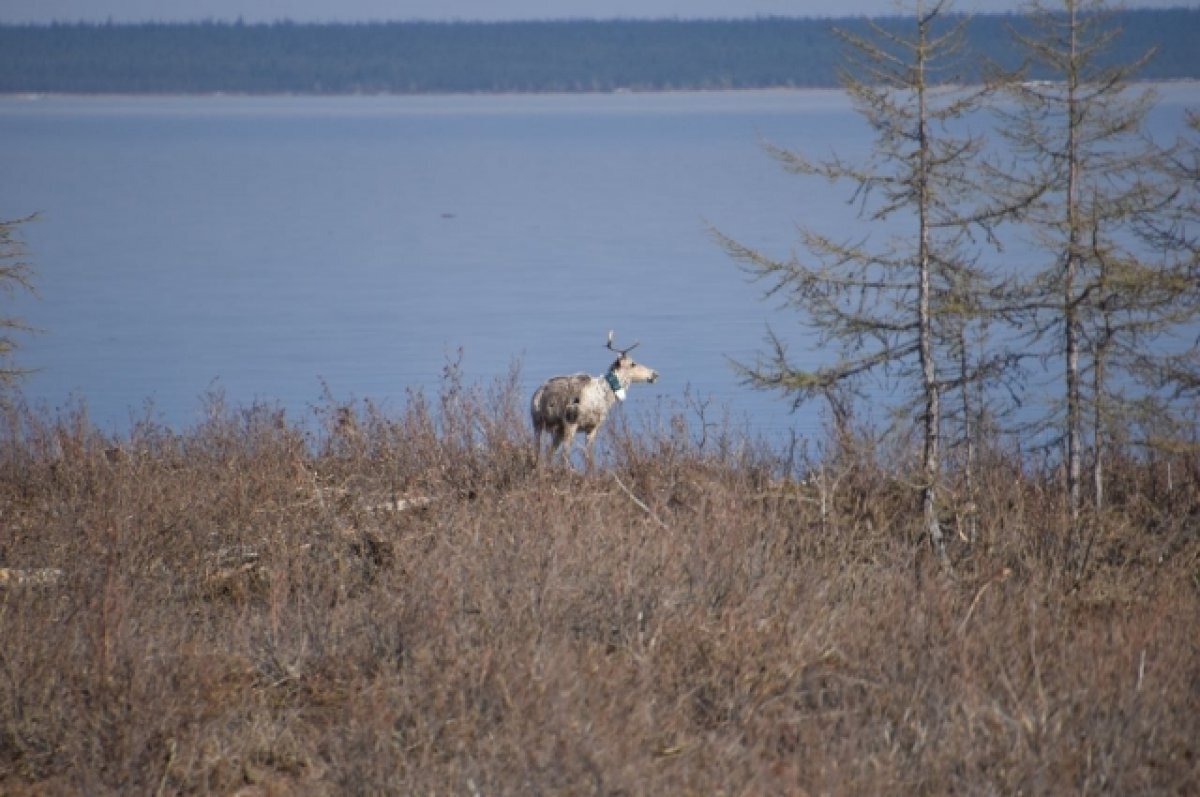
(622,352)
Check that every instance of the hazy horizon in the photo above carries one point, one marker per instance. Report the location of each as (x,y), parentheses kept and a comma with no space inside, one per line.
(129,11)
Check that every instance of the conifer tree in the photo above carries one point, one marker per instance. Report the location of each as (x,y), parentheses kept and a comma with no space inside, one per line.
(1172,376)
(898,308)
(15,275)
(1092,188)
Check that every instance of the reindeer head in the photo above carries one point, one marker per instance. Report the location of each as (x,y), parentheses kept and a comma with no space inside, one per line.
(625,369)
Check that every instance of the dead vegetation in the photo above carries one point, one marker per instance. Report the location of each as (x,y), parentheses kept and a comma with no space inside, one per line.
(404,605)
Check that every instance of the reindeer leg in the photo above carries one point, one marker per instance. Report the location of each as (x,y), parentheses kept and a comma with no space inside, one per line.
(556,440)
(569,431)
(591,448)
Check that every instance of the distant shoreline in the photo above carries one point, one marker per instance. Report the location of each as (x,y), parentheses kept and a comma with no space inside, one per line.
(44,95)
(514,58)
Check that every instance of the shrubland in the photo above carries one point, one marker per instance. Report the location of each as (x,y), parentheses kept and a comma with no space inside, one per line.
(365,603)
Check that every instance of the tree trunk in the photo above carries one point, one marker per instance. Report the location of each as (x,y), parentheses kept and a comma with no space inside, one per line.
(1074,458)
(1098,432)
(1074,423)
(930,464)
(968,425)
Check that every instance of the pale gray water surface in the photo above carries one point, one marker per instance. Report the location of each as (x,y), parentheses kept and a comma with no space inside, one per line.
(262,245)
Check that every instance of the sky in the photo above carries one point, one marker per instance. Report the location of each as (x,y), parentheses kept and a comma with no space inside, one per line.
(45,11)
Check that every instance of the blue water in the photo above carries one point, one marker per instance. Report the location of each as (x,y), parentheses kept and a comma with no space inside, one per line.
(268,247)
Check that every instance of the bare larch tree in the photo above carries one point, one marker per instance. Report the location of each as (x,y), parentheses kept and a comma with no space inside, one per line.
(897,309)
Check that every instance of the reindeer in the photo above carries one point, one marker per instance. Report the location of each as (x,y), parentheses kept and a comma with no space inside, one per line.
(565,405)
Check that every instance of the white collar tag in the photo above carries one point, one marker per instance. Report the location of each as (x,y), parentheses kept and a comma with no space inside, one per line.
(620,393)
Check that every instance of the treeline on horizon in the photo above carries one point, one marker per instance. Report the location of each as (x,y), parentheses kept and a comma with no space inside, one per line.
(454,57)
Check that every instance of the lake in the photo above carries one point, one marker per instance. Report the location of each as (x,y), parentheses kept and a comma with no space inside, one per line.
(267,247)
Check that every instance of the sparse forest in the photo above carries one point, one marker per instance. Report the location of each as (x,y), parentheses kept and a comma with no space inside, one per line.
(406,603)
(1111,298)
(497,57)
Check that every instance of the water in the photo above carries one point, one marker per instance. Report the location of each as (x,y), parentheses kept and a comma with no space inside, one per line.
(268,247)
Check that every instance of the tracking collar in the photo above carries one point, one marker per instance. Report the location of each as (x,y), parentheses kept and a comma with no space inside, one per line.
(615,384)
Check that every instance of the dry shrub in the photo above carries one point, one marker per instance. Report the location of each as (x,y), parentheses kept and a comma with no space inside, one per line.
(405,605)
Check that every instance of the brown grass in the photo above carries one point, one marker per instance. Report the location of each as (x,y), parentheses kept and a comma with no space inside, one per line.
(253,607)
